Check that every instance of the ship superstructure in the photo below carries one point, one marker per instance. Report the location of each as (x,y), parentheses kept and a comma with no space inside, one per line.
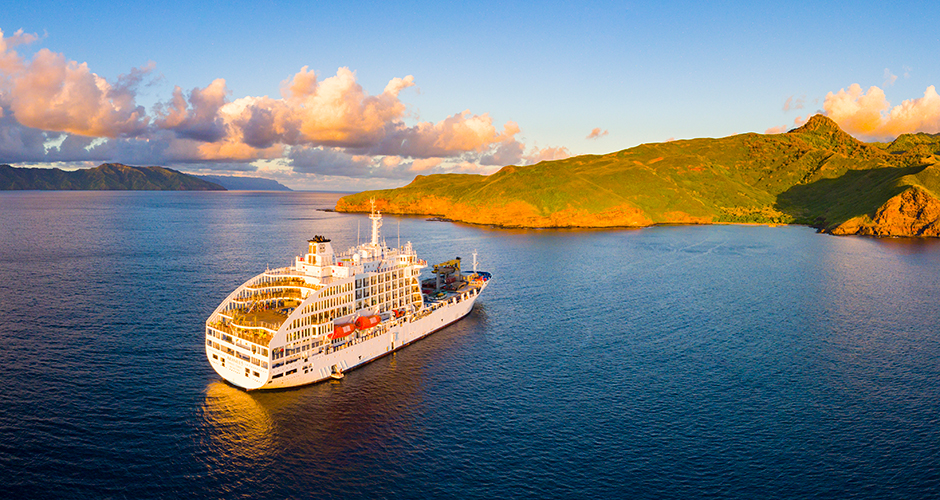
(330,312)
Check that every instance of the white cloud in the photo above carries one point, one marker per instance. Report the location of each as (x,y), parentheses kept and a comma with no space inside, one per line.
(889,78)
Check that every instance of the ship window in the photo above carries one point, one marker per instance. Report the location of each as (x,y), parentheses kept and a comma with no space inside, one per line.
(215,356)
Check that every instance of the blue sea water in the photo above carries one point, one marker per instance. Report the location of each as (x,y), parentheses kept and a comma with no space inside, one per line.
(668,362)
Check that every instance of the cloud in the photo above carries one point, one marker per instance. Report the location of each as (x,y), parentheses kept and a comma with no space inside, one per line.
(333,113)
(792,103)
(455,135)
(596,134)
(545,154)
(425,164)
(776,130)
(889,78)
(337,111)
(196,117)
(507,152)
(869,115)
(10,61)
(19,143)
(333,161)
(18,38)
(55,109)
(52,93)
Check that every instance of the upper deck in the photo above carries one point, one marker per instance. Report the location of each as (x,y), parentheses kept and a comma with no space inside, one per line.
(324,285)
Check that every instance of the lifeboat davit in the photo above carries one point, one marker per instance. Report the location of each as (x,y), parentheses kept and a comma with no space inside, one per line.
(363,322)
(342,330)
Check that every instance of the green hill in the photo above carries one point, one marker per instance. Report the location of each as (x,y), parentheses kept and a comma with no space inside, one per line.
(816,175)
(108,176)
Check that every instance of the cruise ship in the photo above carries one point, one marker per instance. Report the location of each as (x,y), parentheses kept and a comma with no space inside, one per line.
(331,312)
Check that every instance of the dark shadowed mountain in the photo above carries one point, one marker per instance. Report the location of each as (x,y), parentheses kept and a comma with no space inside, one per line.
(105,177)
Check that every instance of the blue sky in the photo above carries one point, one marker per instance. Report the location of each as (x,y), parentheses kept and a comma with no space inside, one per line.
(641,72)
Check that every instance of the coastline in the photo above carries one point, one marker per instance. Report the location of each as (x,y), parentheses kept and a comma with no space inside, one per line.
(442,218)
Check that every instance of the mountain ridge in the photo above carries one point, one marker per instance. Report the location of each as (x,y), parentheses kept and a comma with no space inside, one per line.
(243,183)
(104,177)
(815,175)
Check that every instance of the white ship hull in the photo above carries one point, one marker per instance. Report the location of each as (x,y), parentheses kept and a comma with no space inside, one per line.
(320,367)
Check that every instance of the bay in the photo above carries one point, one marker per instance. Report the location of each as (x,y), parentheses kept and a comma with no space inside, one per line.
(667,362)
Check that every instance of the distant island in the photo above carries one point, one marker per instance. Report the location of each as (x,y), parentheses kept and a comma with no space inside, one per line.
(109,176)
(118,177)
(815,175)
(238,183)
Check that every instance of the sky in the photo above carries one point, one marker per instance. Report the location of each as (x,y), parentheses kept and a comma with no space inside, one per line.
(348,96)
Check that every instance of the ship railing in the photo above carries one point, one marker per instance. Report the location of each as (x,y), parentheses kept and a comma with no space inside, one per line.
(256,325)
(277,294)
(261,338)
(351,341)
(281,271)
(284,282)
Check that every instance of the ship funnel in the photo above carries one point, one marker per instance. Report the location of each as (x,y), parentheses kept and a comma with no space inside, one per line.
(321,251)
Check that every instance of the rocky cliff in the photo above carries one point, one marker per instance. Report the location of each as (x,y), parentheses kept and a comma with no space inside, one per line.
(913,213)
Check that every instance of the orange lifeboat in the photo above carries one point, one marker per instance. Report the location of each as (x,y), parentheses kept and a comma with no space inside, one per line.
(363,322)
(342,330)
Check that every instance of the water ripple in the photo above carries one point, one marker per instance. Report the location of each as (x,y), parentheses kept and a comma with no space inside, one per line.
(678,362)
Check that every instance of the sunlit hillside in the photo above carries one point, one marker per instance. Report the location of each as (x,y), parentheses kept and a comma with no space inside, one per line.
(816,174)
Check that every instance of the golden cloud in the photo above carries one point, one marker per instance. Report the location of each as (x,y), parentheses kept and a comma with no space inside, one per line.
(330,123)
(596,133)
(869,115)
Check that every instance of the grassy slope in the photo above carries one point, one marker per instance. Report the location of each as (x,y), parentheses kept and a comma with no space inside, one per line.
(816,174)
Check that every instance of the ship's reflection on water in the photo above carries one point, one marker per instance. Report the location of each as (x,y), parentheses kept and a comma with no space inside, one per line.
(328,434)
(241,428)
(325,433)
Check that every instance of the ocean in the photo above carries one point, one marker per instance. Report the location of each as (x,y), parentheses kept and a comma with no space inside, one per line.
(665,362)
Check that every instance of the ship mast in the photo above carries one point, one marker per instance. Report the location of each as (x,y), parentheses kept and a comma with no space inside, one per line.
(376,218)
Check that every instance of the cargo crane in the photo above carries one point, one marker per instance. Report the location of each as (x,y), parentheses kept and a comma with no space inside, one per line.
(448,271)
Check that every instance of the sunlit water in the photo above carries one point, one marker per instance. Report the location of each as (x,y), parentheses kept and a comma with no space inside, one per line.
(683,362)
